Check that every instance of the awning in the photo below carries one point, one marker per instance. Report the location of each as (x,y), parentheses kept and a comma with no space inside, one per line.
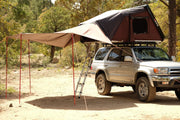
(64,38)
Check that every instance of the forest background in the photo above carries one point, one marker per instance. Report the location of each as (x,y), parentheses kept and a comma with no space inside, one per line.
(42,16)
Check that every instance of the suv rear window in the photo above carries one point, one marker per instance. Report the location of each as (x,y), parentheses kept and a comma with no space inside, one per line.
(101,53)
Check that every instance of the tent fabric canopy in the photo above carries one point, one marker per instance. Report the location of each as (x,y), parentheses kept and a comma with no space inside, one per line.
(64,38)
(128,25)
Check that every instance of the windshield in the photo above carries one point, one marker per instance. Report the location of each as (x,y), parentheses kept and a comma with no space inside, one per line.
(147,54)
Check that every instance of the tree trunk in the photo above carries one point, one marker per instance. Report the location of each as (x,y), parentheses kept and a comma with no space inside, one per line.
(88,47)
(52,53)
(96,47)
(172,28)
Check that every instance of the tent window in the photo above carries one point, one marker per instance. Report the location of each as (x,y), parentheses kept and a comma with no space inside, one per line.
(140,25)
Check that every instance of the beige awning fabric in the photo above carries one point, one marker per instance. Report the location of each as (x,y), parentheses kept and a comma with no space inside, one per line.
(64,38)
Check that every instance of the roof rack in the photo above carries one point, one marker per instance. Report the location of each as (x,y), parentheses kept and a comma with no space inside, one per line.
(130,44)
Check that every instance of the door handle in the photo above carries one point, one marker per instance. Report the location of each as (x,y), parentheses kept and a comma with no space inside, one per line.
(105,65)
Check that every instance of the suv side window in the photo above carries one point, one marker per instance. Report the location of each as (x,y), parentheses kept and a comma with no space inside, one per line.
(115,55)
(119,54)
(126,52)
(101,53)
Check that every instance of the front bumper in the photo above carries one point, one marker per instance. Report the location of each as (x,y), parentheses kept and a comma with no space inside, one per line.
(166,81)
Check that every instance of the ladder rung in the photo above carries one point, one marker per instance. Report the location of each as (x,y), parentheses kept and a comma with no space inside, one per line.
(80,83)
(78,92)
(86,67)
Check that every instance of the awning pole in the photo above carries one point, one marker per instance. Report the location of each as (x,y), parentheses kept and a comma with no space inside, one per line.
(6,63)
(73,69)
(29,67)
(20,68)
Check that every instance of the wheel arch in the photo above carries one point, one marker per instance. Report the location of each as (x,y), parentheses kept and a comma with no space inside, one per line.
(143,74)
(100,72)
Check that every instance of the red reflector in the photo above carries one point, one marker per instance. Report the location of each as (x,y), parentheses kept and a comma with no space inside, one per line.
(165,83)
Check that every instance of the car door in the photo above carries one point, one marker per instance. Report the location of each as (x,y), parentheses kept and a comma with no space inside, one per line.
(111,64)
(118,70)
(126,68)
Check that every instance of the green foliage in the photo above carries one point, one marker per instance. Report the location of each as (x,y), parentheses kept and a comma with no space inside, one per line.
(53,20)
(10,90)
(79,55)
(86,9)
(161,14)
(164,45)
(17,16)
(178,7)
(178,51)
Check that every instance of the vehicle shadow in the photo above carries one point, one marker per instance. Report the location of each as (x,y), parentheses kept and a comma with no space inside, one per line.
(159,99)
(166,100)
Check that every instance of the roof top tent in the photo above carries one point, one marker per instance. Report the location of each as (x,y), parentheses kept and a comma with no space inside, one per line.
(136,24)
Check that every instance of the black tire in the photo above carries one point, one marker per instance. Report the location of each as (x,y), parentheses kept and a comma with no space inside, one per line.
(134,88)
(103,86)
(177,92)
(144,90)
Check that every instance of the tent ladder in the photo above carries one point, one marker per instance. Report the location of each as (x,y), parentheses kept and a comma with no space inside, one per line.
(84,73)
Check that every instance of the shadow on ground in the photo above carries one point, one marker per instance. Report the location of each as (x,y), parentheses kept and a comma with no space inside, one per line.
(159,99)
(93,103)
(118,100)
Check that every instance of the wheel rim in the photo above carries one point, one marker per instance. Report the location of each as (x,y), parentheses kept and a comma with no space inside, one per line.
(101,85)
(143,89)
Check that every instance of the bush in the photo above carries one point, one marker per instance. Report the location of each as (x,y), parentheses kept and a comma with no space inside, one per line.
(79,55)
(10,90)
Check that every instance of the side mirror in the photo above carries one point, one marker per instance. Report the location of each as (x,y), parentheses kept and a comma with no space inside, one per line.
(128,59)
(173,58)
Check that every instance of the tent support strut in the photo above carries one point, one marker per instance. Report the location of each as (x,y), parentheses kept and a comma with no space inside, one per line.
(20,69)
(29,66)
(6,63)
(73,69)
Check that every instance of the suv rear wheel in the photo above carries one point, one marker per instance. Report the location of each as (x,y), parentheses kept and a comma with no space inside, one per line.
(103,86)
(144,90)
(177,92)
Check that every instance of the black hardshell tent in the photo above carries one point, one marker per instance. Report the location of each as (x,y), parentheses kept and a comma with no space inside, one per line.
(129,25)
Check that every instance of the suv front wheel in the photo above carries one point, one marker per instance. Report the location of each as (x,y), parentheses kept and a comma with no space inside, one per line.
(103,86)
(177,92)
(144,90)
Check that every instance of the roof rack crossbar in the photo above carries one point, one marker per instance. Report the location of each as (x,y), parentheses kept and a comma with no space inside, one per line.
(130,44)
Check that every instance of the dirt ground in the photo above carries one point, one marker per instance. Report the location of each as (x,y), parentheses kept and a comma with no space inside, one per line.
(52,99)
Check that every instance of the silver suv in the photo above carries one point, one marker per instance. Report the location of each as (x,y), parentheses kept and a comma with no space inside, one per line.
(147,69)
